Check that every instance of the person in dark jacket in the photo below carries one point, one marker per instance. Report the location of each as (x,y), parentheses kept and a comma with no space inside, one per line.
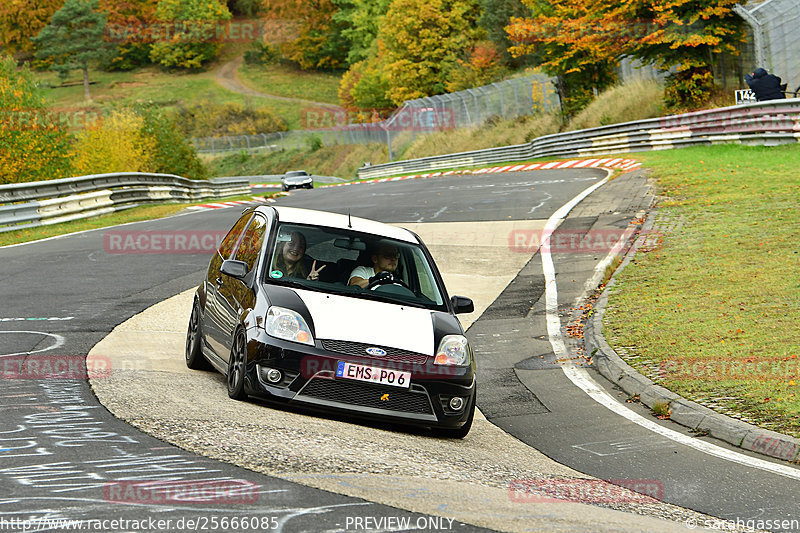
(765,86)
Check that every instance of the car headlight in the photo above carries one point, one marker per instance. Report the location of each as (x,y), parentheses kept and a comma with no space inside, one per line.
(288,325)
(453,350)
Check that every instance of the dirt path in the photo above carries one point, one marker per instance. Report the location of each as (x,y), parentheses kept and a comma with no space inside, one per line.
(226,75)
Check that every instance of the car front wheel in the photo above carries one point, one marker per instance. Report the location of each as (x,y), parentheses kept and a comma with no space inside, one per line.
(194,337)
(236,367)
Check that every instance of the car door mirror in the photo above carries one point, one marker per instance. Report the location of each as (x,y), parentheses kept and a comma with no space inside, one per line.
(462,304)
(234,269)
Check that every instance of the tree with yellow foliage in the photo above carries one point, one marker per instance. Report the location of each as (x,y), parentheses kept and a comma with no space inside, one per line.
(422,41)
(34,143)
(117,144)
(22,20)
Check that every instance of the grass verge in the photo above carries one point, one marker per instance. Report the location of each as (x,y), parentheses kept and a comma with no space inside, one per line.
(711,311)
(291,82)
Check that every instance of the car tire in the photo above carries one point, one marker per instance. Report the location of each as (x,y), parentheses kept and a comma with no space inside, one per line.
(236,366)
(458,433)
(194,341)
(285,188)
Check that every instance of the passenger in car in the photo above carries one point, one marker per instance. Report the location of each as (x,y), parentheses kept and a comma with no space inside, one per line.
(291,261)
(384,259)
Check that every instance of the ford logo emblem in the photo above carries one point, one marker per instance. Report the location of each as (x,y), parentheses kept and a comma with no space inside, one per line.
(376,351)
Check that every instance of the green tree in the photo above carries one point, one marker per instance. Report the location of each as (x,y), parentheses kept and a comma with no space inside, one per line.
(365,87)
(73,39)
(495,16)
(171,153)
(192,38)
(34,145)
(361,20)
(422,41)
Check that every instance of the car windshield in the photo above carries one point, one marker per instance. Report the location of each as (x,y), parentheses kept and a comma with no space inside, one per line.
(296,174)
(323,259)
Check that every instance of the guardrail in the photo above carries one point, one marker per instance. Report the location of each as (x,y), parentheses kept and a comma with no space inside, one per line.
(764,123)
(26,205)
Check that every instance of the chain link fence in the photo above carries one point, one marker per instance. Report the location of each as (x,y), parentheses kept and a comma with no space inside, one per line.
(776,38)
(529,95)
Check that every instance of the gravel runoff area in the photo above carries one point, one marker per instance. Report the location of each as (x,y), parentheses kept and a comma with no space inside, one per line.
(470,480)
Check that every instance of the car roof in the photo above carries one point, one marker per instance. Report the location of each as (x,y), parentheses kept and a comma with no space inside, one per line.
(335,220)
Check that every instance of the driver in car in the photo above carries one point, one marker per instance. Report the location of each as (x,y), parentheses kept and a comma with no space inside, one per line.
(384,263)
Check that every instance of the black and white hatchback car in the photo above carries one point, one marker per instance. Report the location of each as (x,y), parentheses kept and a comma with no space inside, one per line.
(276,314)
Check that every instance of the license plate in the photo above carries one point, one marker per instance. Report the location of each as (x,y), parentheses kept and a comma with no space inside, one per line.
(372,374)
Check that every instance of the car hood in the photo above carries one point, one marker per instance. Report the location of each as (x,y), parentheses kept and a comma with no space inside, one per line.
(297,179)
(382,324)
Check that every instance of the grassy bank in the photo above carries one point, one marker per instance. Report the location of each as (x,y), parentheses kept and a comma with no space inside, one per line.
(341,161)
(711,312)
(633,101)
(291,82)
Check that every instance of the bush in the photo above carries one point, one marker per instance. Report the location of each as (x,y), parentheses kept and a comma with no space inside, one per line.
(117,145)
(189,48)
(127,56)
(689,89)
(172,154)
(34,144)
(208,119)
(633,100)
(261,54)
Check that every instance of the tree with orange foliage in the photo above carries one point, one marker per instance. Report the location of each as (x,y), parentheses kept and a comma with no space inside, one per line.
(684,36)
(581,42)
(565,33)
(21,20)
(128,27)
(319,43)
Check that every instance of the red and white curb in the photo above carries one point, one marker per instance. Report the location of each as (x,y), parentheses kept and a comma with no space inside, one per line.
(232,203)
(621,164)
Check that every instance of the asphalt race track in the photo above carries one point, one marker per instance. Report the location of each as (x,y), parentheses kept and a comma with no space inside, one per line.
(65,456)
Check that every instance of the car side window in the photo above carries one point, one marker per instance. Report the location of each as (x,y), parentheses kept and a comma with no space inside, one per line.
(230,240)
(251,242)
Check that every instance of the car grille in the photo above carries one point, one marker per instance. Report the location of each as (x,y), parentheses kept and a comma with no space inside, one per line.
(359,348)
(366,395)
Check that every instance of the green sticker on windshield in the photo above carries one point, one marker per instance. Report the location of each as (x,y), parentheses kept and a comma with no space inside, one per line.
(276,274)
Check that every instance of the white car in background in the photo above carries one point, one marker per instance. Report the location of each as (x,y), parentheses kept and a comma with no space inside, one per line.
(297,179)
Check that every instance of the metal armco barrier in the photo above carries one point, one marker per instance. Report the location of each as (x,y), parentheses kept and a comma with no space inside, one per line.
(25,205)
(764,123)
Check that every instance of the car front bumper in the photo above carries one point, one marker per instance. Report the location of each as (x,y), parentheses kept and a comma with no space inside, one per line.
(309,379)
